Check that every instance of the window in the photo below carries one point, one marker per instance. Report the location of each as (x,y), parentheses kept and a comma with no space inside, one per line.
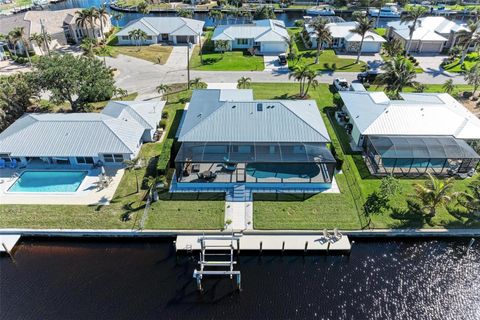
(242,41)
(118,157)
(84,160)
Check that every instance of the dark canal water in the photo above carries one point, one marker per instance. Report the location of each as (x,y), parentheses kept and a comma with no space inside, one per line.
(145,279)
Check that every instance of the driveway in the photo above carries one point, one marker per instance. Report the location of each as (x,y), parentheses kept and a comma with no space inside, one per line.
(373,60)
(272,64)
(431,63)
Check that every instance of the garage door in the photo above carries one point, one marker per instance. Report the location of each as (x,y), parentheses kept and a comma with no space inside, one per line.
(371,47)
(273,47)
(184,39)
(431,47)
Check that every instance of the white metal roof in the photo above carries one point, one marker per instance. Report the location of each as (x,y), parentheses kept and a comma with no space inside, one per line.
(344,30)
(259,30)
(146,113)
(437,24)
(154,26)
(427,114)
(423,34)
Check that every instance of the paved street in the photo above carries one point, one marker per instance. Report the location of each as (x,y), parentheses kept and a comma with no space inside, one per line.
(141,76)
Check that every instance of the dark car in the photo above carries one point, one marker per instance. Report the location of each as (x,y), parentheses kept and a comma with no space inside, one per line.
(367,76)
(282,59)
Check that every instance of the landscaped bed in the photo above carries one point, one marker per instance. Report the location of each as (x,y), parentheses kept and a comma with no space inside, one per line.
(470,60)
(228,61)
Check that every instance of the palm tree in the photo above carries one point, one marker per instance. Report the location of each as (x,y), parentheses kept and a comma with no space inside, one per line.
(472,77)
(197,83)
(364,25)
(215,15)
(320,29)
(163,89)
(244,83)
(185,13)
(466,38)
(434,193)
(17,35)
(380,4)
(222,45)
(448,86)
(38,39)
(143,7)
(470,200)
(85,18)
(138,35)
(117,15)
(399,73)
(393,48)
(413,16)
(88,45)
(101,15)
(305,76)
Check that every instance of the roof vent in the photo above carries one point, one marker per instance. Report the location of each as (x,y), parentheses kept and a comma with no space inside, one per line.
(233,107)
(199,115)
(259,107)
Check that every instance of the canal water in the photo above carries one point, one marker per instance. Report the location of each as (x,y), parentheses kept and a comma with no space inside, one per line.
(288,17)
(145,279)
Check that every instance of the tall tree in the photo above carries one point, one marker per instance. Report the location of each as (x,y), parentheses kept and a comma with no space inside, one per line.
(77,80)
(197,83)
(306,78)
(399,73)
(143,7)
(38,39)
(244,83)
(264,12)
(222,45)
(470,199)
(472,77)
(17,35)
(469,37)
(185,13)
(138,35)
(163,89)
(88,45)
(412,16)
(86,18)
(320,29)
(393,47)
(364,25)
(101,15)
(448,86)
(434,193)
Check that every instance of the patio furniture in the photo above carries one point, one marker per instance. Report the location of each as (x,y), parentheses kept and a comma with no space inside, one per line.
(2,163)
(196,167)
(13,164)
(229,166)
(207,175)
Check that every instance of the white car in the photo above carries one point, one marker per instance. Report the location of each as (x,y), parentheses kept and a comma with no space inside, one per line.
(341,84)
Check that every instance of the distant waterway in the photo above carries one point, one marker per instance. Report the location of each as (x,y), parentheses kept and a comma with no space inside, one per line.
(145,279)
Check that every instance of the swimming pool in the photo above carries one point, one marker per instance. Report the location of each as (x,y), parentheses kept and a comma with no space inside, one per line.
(283,171)
(48,181)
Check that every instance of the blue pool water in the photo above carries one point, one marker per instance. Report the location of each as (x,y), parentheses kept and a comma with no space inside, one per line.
(48,181)
(283,171)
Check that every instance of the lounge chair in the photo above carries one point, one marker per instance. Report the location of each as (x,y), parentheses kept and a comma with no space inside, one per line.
(13,164)
(2,163)
(228,165)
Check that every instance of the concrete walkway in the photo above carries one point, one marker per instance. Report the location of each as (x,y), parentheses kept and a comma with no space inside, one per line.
(240,214)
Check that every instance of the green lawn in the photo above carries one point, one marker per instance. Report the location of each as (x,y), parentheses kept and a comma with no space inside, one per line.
(470,61)
(328,61)
(228,61)
(168,213)
(381,31)
(155,53)
(15,4)
(95,106)
(342,210)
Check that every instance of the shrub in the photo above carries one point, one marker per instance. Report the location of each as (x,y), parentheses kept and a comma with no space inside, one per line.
(164,158)
(299,23)
(366,85)
(467,94)
(163,124)
(164,114)
(337,100)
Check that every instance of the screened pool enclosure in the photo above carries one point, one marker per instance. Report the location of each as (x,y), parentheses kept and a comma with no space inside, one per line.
(405,155)
(254,162)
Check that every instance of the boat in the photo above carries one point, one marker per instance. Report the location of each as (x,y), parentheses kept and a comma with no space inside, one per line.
(442,10)
(321,11)
(385,12)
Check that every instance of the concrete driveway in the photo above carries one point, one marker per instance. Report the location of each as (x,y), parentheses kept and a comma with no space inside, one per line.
(373,60)
(430,63)
(272,64)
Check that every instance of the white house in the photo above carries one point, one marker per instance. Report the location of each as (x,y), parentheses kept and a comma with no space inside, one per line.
(265,36)
(432,35)
(423,132)
(75,32)
(345,40)
(163,29)
(112,136)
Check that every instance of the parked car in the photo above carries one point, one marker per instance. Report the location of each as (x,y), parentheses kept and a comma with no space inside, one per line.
(282,59)
(367,76)
(341,84)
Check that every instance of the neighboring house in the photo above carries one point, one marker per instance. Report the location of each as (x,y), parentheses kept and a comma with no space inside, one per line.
(74,32)
(424,132)
(343,39)
(112,136)
(163,29)
(229,140)
(432,34)
(265,36)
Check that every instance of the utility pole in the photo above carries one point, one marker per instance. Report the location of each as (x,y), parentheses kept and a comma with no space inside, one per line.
(188,64)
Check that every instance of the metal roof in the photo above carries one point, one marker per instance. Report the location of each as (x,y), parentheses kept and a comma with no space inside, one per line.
(118,129)
(344,30)
(210,120)
(427,114)
(154,26)
(436,24)
(423,34)
(259,30)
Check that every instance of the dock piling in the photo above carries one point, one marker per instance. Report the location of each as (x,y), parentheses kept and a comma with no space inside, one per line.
(261,247)
(306,247)
(283,247)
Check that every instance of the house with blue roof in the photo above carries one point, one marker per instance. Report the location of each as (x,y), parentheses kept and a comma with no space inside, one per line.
(229,139)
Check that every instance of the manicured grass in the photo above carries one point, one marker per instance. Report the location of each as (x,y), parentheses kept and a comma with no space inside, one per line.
(228,61)
(381,31)
(167,213)
(14,4)
(154,53)
(356,184)
(95,106)
(468,63)
(328,61)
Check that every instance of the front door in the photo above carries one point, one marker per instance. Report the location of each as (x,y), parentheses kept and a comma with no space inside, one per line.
(164,37)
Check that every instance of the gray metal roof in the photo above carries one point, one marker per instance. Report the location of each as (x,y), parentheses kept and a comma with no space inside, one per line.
(210,120)
(154,26)
(118,129)
(260,30)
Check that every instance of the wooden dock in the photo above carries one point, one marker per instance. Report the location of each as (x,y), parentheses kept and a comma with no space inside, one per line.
(8,242)
(306,243)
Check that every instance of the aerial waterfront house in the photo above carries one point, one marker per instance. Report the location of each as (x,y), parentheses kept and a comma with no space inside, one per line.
(343,39)
(175,30)
(228,139)
(423,132)
(112,136)
(75,32)
(262,36)
(432,35)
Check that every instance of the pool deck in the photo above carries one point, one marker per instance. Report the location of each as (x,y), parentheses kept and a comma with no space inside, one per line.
(87,193)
